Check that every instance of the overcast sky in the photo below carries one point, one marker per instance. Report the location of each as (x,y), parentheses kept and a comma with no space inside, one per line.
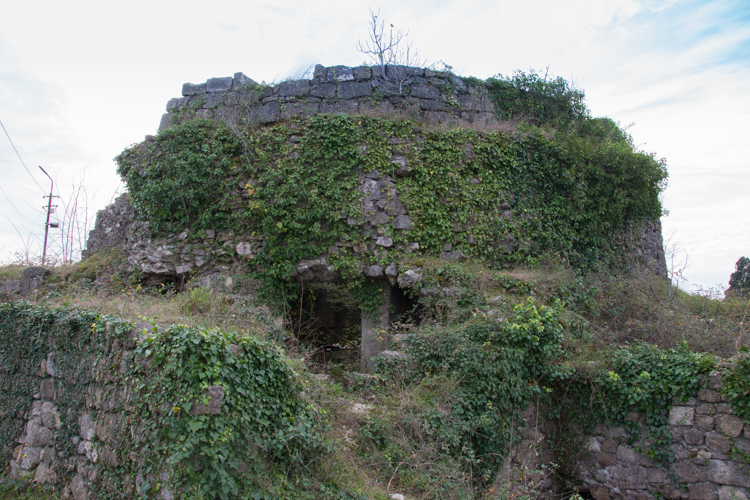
(81,80)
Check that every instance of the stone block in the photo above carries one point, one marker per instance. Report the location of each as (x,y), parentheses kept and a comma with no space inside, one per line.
(657,476)
(599,493)
(606,459)
(378,218)
(706,410)
(627,455)
(189,89)
(294,88)
(49,416)
(704,422)
(715,381)
(593,445)
(215,396)
(743,446)
(634,478)
(338,74)
(165,122)
(213,101)
(304,109)
(241,81)
(709,396)
(680,452)
(728,473)
(384,241)
(245,249)
(609,446)
(174,103)
(362,73)
(717,442)
(269,112)
(352,90)
(688,472)
(425,92)
(47,389)
(729,425)
(431,105)
(693,437)
(324,91)
(44,474)
(78,488)
(320,71)
(402,222)
(38,435)
(702,491)
(453,256)
(30,457)
(373,271)
(681,415)
(340,106)
(724,408)
(217,85)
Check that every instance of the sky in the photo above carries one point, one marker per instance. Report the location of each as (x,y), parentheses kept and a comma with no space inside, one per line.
(82,80)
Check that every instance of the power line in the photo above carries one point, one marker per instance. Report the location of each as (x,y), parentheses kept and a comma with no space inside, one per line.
(14,207)
(19,156)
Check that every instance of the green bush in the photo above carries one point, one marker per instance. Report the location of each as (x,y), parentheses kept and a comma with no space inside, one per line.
(537,99)
(499,366)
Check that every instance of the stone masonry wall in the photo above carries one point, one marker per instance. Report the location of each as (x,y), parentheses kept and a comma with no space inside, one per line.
(438,96)
(102,425)
(711,448)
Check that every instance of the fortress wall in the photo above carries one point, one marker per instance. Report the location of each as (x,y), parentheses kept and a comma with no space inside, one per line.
(437,96)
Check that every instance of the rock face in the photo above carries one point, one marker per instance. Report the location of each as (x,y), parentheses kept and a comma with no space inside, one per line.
(111,227)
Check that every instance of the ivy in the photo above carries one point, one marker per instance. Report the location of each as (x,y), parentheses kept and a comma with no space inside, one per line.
(499,366)
(141,392)
(294,189)
(638,378)
(736,388)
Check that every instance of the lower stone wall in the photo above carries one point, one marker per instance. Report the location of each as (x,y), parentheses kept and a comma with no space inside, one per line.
(79,416)
(710,448)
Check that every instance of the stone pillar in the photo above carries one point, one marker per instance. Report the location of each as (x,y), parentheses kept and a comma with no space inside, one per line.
(374,332)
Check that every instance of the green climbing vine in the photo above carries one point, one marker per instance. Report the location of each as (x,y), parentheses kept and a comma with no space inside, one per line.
(294,190)
(141,388)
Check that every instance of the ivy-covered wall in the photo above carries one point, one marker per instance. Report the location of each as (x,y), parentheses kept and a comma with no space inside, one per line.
(102,408)
(339,196)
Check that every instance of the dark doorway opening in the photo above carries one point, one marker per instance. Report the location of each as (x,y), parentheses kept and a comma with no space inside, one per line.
(326,321)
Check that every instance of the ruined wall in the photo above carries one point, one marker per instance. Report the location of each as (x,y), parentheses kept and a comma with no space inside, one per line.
(100,408)
(710,455)
(437,96)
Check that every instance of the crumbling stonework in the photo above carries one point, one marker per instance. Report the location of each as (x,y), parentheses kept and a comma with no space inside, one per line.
(33,278)
(437,96)
(111,227)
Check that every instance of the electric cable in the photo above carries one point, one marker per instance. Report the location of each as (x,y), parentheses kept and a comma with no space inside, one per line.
(19,157)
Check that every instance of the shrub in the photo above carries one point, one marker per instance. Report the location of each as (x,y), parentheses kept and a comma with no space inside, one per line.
(739,281)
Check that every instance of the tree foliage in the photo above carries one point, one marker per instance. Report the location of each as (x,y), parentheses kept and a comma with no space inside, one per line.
(739,281)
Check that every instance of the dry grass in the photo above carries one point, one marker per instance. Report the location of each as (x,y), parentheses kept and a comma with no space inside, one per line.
(11,272)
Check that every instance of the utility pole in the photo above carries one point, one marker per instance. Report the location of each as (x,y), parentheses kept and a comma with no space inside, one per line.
(49,210)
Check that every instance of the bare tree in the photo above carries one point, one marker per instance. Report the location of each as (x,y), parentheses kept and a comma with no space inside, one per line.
(75,220)
(677,264)
(392,52)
